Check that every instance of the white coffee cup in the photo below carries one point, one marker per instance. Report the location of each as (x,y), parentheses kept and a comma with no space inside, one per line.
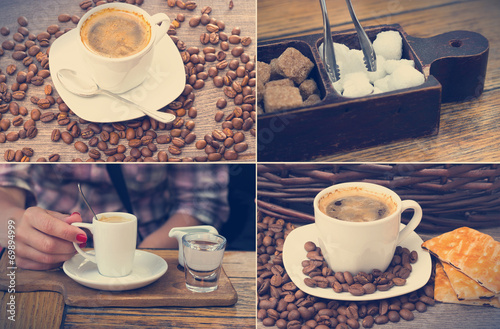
(119,75)
(362,246)
(114,244)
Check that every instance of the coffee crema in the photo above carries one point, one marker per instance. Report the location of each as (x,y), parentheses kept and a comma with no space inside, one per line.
(115,33)
(114,219)
(357,206)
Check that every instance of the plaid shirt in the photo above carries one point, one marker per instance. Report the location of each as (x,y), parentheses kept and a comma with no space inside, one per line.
(156,191)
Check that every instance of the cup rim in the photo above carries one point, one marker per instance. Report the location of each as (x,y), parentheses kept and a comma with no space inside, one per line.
(124,7)
(220,245)
(114,213)
(370,186)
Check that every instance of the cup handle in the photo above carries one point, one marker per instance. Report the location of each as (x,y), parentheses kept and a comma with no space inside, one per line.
(77,247)
(415,220)
(163,27)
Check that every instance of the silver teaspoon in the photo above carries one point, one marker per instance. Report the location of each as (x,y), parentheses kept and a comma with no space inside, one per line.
(85,199)
(86,87)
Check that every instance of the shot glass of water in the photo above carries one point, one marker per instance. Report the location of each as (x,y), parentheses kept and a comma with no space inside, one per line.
(203,253)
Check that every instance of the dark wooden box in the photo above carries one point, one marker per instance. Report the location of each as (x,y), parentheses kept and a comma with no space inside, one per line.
(453,63)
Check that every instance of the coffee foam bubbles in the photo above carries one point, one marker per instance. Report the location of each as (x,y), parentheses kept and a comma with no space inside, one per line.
(115,33)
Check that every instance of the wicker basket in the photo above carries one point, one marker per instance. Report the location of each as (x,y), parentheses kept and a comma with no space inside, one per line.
(451,195)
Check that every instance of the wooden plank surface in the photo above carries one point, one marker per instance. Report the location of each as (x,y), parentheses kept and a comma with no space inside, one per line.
(468,130)
(169,290)
(239,266)
(41,14)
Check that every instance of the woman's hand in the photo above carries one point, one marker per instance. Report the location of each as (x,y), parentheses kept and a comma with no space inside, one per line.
(44,239)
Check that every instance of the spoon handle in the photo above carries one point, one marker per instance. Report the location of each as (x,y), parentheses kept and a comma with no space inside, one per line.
(85,199)
(159,116)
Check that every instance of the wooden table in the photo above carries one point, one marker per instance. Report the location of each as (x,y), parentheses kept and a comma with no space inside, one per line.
(41,14)
(448,315)
(47,310)
(469,130)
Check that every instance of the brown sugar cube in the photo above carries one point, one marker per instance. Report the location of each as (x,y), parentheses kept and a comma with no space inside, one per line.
(259,110)
(280,83)
(263,72)
(275,71)
(307,88)
(281,98)
(294,65)
(260,90)
(312,99)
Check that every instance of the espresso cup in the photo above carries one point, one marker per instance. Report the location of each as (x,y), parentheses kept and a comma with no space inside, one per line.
(113,72)
(362,246)
(115,238)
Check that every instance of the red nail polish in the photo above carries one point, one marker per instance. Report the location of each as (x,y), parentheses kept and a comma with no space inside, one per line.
(82,238)
(75,213)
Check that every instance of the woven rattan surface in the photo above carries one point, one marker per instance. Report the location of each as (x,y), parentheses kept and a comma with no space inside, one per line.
(451,195)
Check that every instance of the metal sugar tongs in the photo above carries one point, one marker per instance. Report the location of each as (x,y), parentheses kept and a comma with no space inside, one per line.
(328,50)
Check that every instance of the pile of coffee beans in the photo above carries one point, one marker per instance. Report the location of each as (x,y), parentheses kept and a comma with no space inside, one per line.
(221,58)
(283,305)
(320,275)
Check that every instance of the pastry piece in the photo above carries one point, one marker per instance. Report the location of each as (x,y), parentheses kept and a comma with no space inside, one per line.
(465,287)
(443,291)
(474,253)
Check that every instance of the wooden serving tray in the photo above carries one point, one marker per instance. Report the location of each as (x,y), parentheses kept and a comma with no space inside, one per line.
(453,63)
(169,290)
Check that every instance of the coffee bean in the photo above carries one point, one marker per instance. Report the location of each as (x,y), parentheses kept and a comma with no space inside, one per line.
(19,95)
(56,135)
(17,121)
(4,30)
(27,151)
(214,156)
(35,114)
(174,150)
(229,92)
(237,51)
(246,41)
(234,39)
(23,21)
(8,44)
(12,136)
(52,29)
(63,18)
(9,155)
(218,135)
(214,38)
(81,147)
(162,156)
(94,154)
(37,81)
(67,138)
(54,157)
(114,138)
(195,21)
(31,132)
(47,117)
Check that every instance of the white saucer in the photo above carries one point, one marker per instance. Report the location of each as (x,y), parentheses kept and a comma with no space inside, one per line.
(165,83)
(294,253)
(147,268)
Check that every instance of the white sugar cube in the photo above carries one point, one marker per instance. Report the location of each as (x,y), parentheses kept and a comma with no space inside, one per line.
(380,73)
(389,44)
(357,85)
(383,84)
(339,86)
(405,77)
(391,65)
